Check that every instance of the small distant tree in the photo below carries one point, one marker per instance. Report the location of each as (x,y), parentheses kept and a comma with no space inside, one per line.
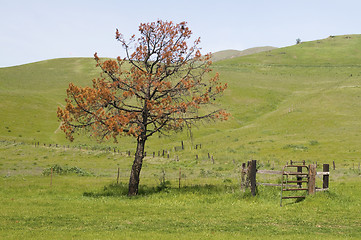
(298,41)
(161,85)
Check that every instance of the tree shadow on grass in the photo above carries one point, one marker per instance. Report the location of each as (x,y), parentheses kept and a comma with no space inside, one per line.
(121,190)
(290,202)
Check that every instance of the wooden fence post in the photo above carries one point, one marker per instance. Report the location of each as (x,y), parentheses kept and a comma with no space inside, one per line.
(118,176)
(51,176)
(252,176)
(312,179)
(334,166)
(242,176)
(326,168)
(180,176)
(299,169)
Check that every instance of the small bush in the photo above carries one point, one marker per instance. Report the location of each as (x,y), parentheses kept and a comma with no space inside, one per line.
(299,147)
(57,169)
(163,186)
(227,180)
(314,142)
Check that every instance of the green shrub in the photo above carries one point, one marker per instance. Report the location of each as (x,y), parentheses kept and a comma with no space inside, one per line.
(299,147)
(314,142)
(57,169)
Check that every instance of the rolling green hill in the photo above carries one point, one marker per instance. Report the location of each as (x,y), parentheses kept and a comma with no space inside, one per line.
(30,94)
(282,102)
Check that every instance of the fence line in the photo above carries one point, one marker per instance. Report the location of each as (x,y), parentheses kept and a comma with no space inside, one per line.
(165,153)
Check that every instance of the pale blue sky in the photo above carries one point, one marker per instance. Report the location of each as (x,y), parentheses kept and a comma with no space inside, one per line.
(44,29)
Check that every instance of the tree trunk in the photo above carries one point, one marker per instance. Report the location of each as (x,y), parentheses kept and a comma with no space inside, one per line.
(137,166)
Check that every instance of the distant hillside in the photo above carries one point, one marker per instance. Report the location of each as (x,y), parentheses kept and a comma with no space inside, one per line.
(334,50)
(222,55)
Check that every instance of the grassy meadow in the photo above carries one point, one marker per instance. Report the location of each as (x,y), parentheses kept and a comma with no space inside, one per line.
(296,103)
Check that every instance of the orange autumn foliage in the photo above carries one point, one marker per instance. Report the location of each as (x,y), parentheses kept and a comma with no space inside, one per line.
(167,83)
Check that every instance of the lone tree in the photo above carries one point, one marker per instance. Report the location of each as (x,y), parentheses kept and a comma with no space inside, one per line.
(159,86)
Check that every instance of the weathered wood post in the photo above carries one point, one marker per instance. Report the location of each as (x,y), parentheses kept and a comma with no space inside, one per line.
(51,176)
(312,179)
(247,182)
(326,168)
(334,166)
(182,145)
(243,172)
(118,176)
(180,176)
(252,176)
(299,178)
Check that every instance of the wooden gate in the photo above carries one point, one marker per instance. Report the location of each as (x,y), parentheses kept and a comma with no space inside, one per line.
(294,173)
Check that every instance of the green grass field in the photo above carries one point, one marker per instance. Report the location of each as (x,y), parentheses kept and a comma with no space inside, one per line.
(296,103)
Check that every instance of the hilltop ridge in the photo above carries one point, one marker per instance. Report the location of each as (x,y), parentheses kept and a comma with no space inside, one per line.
(230,53)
